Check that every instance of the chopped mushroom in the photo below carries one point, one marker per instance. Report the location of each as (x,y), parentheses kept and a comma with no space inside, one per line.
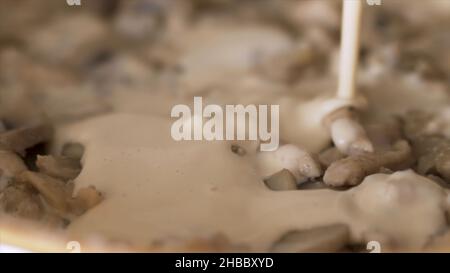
(18,140)
(330,155)
(54,191)
(21,201)
(11,164)
(330,238)
(60,167)
(73,150)
(351,170)
(346,132)
(85,199)
(433,153)
(299,162)
(281,181)
(383,134)
(443,163)
(21,190)
(415,124)
(59,194)
(431,149)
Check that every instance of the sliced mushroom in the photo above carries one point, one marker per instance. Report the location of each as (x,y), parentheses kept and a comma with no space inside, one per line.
(18,140)
(351,170)
(60,167)
(21,202)
(383,134)
(299,162)
(330,238)
(443,163)
(346,132)
(330,155)
(415,124)
(85,199)
(54,191)
(283,180)
(73,150)
(11,164)
(433,153)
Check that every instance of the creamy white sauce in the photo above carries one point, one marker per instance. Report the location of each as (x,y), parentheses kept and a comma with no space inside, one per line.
(157,190)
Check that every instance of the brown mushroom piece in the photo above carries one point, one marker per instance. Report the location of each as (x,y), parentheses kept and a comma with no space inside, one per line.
(384,133)
(351,170)
(18,200)
(85,199)
(73,150)
(300,163)
(443,163)
(347,134)
(54,191)
(11,164)
(330,155)
(415,124)
(64,168)
(433,153)
(281,181)
(18,140)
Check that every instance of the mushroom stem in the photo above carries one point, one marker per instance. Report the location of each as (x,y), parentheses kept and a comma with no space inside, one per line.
(351,170)
(300,163)
(347,134)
